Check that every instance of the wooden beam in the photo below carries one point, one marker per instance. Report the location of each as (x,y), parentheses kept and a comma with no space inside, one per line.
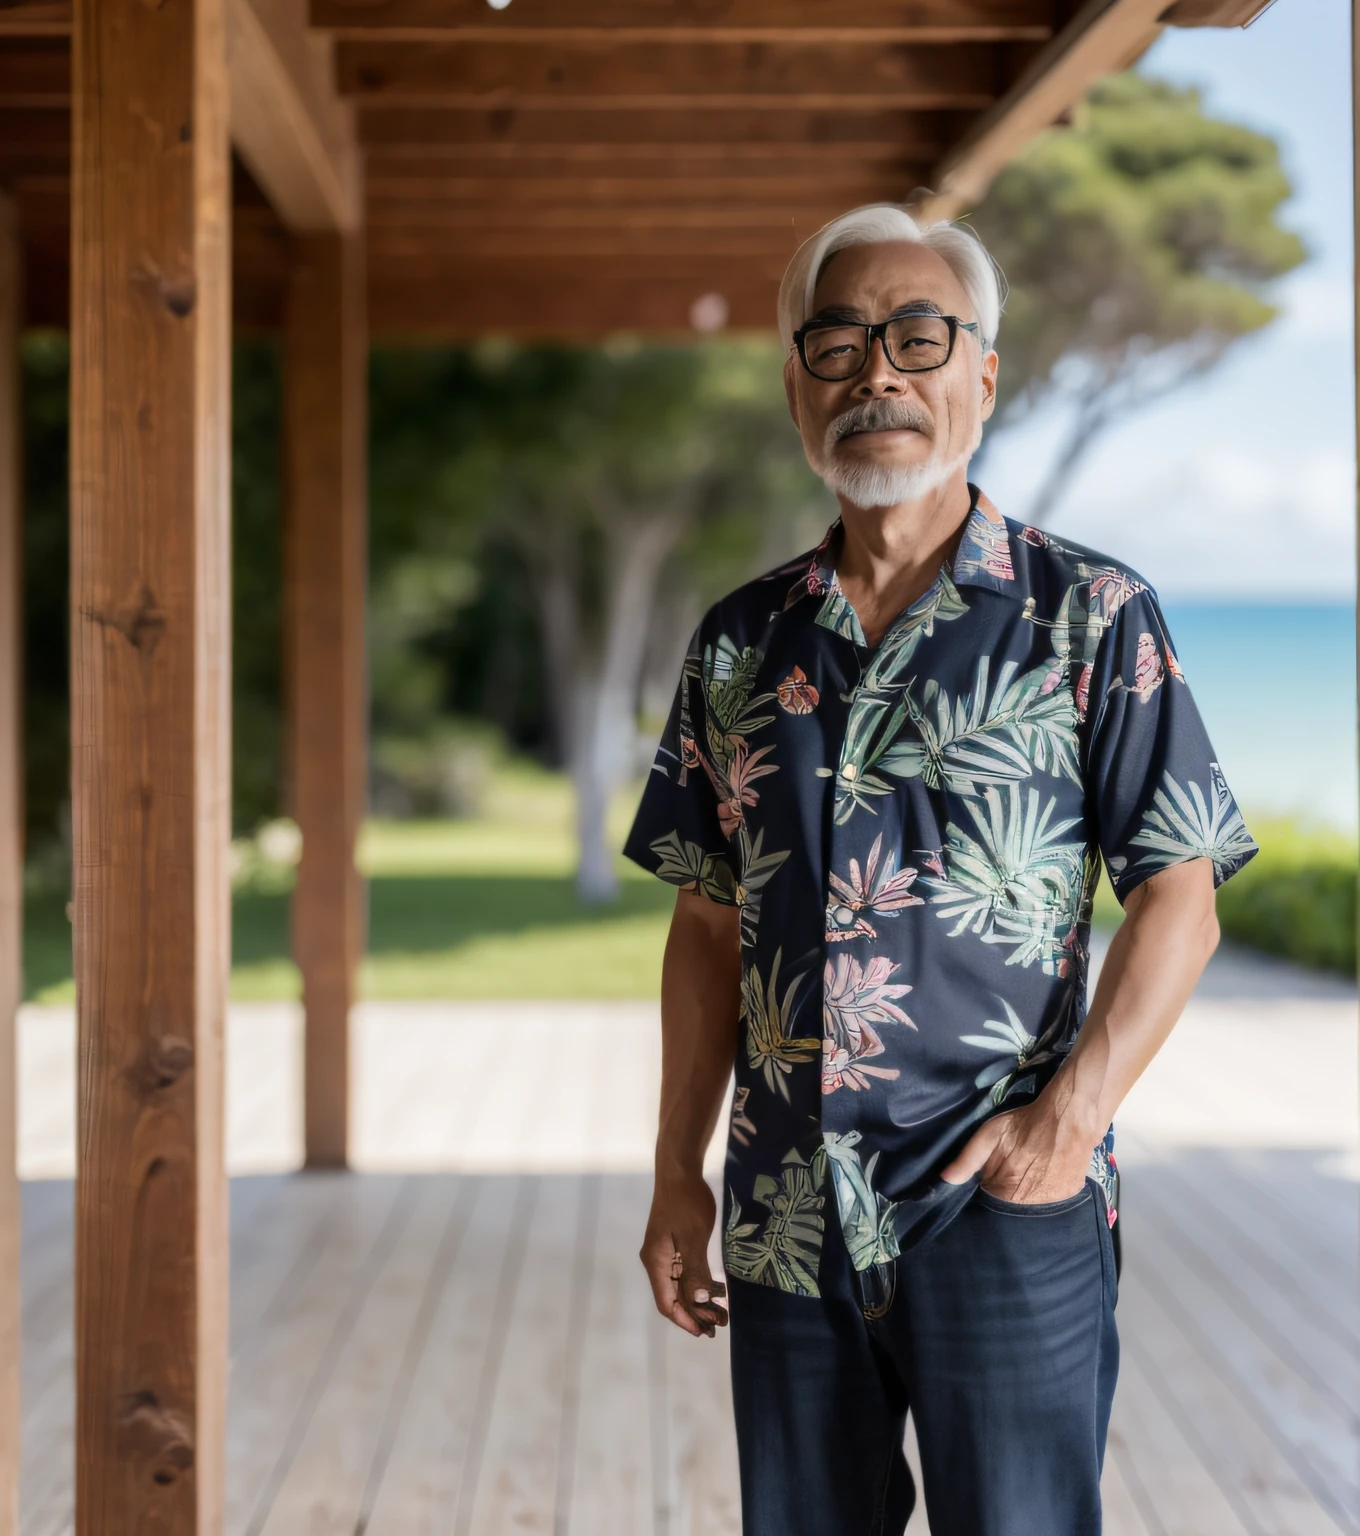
(634,77)
(664,21)
(293,132)
(555,245)
(573,131)
(457,221)
(1104,37)
(150,759)
(11,853)
(326,353)
(31,131)
(566,190)
(656,164)
(1215,13)
(36,18)
(414,305)
(35,73)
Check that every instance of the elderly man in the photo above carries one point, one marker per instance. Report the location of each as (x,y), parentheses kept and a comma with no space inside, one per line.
(891,773)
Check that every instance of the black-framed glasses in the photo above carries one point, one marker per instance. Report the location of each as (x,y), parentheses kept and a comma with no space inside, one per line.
(836,350)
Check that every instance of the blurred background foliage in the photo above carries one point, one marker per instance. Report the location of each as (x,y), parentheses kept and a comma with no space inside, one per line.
(549,522)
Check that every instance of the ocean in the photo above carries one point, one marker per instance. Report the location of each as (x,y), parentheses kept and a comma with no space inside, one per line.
(1275,683)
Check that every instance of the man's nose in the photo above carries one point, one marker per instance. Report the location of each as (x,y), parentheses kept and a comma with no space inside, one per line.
(878,376)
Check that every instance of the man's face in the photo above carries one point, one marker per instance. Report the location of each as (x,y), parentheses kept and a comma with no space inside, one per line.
(883,432)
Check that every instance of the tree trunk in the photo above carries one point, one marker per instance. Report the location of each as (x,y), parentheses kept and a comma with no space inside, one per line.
(607,693)
(594,687)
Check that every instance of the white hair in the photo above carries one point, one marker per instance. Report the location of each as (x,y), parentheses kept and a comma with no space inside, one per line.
(967,257)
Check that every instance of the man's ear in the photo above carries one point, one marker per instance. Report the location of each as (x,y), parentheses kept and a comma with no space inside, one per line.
(990,364)
(790,389)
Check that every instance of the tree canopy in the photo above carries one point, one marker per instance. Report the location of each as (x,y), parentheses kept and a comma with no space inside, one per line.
(1138,244)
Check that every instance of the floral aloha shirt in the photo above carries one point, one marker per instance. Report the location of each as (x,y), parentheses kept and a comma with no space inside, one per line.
(913,834)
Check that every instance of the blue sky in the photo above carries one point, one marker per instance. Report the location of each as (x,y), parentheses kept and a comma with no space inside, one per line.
(1243,486)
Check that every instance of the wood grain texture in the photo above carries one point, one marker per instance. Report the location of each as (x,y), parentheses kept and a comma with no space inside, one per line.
(422,1355)
(664,21)
(562,128)
(288,124)
(1103,37)
(11,855)
(150,651)
(632,76)
(36,18)
(325,435)
(491,192)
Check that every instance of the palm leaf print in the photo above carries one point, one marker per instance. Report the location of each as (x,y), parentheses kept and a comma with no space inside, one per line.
(1027,725)
(1018,1053)
(1185,823)
(866,1216)
(756,869)
(880,888)
(1017,881)
(879,707)
(729,676)
(784,1248)
(769,1044)
(687,865)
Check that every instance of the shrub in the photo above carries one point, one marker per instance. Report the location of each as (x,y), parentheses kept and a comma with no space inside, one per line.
(1296,898)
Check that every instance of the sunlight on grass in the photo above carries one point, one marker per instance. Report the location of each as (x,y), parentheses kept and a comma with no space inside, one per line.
(487,908)
(483,908)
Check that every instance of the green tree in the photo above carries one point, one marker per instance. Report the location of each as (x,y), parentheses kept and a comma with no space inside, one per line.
(598,463)
(1139,243)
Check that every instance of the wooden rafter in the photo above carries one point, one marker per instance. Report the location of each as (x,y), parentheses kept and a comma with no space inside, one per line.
(1215,13)
(287,123)
(35,72)
(725,129)
(1105,36)
(36,18)
(663,21)
(638,77)
(575,190)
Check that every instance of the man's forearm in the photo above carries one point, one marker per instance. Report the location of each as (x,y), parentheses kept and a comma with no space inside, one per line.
(700,1000)
(1154,961)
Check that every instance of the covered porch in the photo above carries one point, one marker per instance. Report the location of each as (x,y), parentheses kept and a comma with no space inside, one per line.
(462,1350)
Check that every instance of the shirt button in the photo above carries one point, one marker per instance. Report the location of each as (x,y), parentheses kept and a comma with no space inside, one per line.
(848,772)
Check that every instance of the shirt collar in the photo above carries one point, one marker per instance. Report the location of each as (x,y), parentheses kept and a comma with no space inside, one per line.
(983,558)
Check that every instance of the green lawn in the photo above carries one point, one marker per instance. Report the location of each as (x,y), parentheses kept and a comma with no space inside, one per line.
(487,908)
(471,909)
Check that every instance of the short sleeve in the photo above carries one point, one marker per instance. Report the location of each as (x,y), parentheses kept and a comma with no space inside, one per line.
(1159,794)
(677,834)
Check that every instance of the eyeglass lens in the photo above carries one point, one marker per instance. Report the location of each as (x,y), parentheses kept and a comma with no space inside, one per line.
(913,343)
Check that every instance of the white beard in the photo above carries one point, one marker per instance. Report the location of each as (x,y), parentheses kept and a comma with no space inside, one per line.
(881,485)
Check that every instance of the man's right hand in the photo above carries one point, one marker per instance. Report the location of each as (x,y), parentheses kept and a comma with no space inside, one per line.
(675,1255)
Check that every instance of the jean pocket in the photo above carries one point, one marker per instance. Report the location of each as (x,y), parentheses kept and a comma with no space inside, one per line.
(1046,1208)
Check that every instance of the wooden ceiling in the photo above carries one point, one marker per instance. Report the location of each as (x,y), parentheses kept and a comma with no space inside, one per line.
(578,166)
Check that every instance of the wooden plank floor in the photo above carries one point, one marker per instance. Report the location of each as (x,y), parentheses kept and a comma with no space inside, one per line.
(476,1355)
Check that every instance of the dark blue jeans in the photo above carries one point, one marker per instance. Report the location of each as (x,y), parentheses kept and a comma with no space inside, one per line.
(997,1334)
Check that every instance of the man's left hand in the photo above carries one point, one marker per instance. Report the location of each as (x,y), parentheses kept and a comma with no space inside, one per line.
(1026,1155)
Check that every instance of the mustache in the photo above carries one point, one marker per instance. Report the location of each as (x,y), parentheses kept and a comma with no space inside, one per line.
(882,415)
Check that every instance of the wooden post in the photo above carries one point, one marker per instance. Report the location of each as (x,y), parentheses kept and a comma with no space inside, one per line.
(11,855)
(325,592)
(150,675)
